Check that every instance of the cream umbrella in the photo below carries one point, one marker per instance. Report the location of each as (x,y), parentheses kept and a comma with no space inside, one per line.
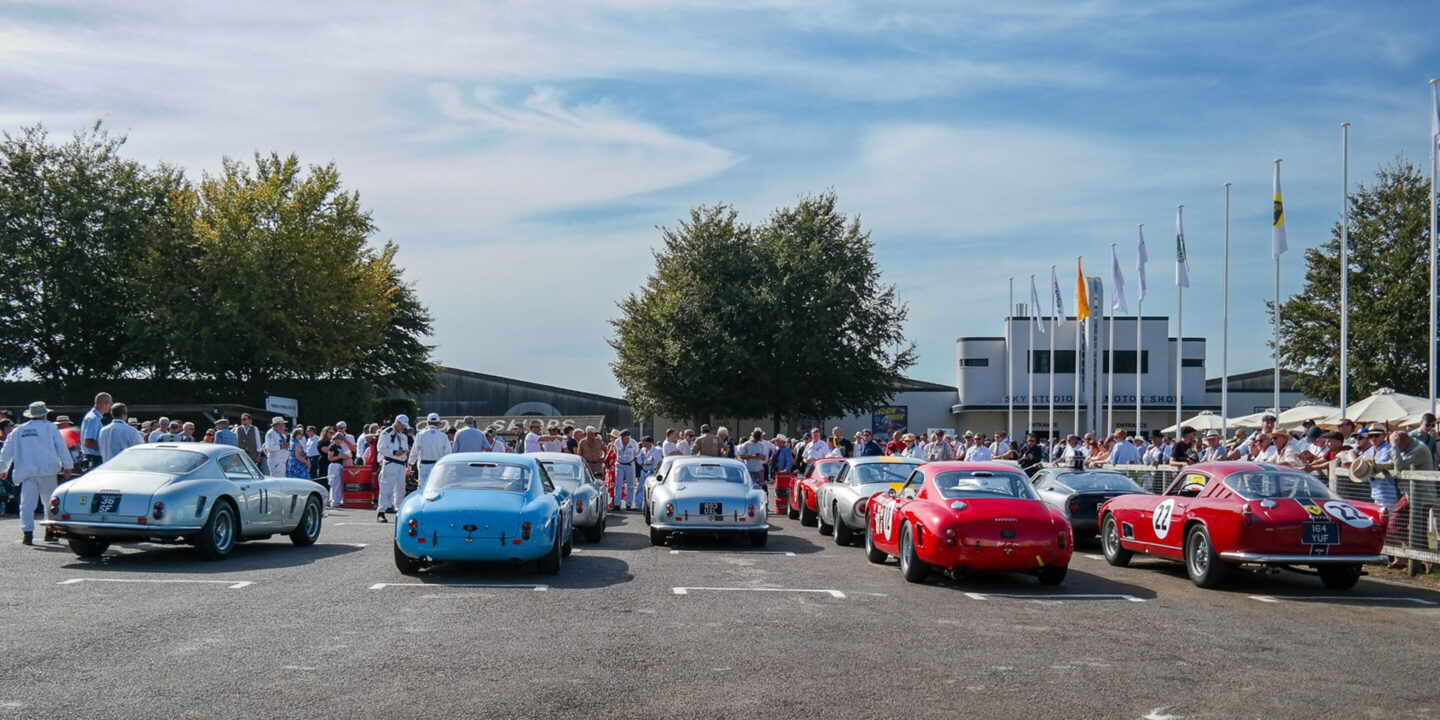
(1296,416)
(1385,407)
(1206,420)
(1251,421)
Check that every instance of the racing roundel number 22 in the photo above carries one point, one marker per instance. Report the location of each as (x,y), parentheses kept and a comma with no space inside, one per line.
(1164,512)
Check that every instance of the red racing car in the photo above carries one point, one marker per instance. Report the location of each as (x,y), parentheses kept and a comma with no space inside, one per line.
(1217,516)
(807,489)
(961,517)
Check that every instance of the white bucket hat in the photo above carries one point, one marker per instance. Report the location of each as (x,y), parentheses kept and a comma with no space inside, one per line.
(36,410)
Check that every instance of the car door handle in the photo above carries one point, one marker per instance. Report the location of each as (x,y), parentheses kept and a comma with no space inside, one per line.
(1181,505)
(244,487)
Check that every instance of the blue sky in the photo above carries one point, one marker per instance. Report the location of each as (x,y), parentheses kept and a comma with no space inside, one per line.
(522,153)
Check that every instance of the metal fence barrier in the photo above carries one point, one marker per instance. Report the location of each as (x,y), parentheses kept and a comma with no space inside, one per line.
(1414,532)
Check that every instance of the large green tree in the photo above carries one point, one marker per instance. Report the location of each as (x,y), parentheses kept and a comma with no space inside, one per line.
(77,221)
(781,320)
(1389,287)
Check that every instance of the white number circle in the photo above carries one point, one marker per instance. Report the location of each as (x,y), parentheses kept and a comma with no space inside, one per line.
(1163,513)
(1348,514)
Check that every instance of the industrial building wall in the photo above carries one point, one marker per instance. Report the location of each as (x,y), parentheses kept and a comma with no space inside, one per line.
(462,392)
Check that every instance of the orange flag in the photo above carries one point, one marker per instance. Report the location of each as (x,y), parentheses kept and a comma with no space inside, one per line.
(1082,296)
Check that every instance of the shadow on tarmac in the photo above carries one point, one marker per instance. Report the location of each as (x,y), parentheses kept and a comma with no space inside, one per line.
(577,572)
(184,559)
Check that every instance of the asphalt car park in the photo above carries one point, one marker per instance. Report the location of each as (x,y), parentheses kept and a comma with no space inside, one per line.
(696,628)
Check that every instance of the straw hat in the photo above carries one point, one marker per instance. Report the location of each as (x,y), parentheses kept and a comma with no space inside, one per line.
(1361,470)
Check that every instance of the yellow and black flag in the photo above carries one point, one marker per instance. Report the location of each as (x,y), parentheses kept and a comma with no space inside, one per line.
(1278,245)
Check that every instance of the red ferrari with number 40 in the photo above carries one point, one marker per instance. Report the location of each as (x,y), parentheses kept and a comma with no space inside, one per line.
(1217,516)
(961,517)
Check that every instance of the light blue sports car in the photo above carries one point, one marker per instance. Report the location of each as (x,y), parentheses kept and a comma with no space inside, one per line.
(485,507)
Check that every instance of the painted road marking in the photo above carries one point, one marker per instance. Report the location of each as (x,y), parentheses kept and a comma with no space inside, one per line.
(1095,557)
(369,523)
(1365,598)
(1055,596)
(686,590)
(528,586)
(231,584)
(736,552)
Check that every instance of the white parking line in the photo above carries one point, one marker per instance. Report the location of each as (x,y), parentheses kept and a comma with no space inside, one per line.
(354,545)
(1054,596)
(369,523)
(686,590)
(530,586)
(1364,598)
(736,552)
(1094,557)
(230,584)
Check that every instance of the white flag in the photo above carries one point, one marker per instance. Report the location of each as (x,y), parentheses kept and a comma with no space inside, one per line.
(1278,246)
(1035,307)
(1057,306)
(1117,285)
(1182,261)
(1141,258)
(1434,124)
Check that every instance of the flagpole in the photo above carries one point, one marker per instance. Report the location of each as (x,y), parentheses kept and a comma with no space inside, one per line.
(1139,347)
(1110,369)
(1010,366)
(1179,334)
(1053,330)
(1075,420)
(1276,353)
(1345,267)
(1225,329)
(1434,169)
(1030,365)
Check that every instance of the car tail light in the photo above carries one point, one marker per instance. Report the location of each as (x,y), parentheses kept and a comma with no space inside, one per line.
(54,505)
(579,506)
(1384,515)
(140,520)
(670,509)
(950,537)
(862,507)
(525,531)
(414,527)
(1246,515)
(1060,540)
(1074,507)
(158,511)
(66,516)
(752,511)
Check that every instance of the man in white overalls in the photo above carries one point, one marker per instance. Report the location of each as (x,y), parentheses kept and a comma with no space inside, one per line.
(625,452)
(35,454)
(393,450)
(431,444)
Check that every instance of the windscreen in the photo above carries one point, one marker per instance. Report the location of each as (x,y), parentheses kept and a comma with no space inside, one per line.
(1099,482)
(1260,485)
(829,470)
(170,462)
(983,484)
(711,473)
(564,473)
(479,476)
(867,473)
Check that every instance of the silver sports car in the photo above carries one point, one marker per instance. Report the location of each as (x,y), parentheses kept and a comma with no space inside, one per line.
(571,472)
(706,495)
(210,496)
(842,501)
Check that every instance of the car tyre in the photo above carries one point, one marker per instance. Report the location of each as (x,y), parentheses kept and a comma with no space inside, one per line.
(87,547)
(1115,553)
(825,528)
(217,537)
(844,536)
(872,553)
(569,545)
(911,566)
(1201,562)
(808,517)
(658,537)
(793,510)
(596,531)
(759,538)
(550,564)
(1051,574)
(1339,577)
(307,531)
(406,564)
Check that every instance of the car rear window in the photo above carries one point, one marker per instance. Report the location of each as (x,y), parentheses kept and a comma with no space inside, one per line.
(563,472)
(1260,485)
(711,473)
(1099,482)
(479,476)
(164,460)
(881,473)
(983,484)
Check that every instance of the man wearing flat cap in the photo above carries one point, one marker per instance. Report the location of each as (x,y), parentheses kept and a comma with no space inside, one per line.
(35,454)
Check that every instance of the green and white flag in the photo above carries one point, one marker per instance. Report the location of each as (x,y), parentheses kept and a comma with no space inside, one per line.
(1182,261)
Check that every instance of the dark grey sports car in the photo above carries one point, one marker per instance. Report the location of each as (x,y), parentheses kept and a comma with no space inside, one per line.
(1080,493)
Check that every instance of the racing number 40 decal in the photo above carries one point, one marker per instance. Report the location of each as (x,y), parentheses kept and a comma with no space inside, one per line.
(1164,512)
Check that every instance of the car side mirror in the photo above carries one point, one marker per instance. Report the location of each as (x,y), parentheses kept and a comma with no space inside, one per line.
(890,492)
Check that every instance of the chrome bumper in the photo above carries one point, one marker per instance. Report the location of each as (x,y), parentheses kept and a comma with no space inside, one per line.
(683,527)
(1301,559)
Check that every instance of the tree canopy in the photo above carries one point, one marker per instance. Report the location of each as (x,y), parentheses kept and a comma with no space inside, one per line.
(259,273)
(780,320)
(1389,287)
